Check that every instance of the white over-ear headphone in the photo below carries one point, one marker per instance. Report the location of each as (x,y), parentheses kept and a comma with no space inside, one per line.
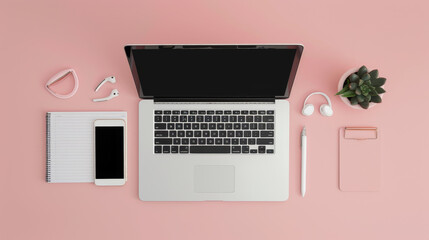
(113,94)
(325,109)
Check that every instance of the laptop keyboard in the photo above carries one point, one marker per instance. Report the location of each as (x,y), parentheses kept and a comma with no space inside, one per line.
(213,131)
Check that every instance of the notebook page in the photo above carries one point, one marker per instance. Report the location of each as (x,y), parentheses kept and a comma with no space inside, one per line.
(71,150)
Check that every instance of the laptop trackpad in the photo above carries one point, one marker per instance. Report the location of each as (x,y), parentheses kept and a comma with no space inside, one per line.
(214,179)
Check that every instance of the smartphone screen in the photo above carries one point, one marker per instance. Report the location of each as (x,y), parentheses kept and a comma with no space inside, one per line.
(109,152)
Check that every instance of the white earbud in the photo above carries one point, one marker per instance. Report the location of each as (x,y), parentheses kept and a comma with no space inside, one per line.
(108,79)
(325,109)
(113,94)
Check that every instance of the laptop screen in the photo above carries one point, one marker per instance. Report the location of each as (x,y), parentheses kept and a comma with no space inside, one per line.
(214,71)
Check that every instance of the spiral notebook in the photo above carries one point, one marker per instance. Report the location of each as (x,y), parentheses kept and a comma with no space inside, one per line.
(70,145)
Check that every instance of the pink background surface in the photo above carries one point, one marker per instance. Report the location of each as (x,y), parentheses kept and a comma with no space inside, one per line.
(40,38)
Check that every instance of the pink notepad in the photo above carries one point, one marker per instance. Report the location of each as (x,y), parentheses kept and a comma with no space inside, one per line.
(359,159)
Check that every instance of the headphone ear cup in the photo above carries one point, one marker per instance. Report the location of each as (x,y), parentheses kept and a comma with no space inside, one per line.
(326,110)
(308,109)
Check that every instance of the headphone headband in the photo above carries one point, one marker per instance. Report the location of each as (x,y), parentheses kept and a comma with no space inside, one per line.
(319,93)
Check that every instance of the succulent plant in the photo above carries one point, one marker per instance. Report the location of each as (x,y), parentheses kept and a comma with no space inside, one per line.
(363,87)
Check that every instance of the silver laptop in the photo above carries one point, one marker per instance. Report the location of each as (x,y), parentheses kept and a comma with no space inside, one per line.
(214,121)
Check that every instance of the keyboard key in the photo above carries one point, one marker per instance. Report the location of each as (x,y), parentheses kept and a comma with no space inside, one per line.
(220,126)
(245,112)
(158,112)
(174,149)
(268,118)
(241,119)
(251,141)
(208,118)
(261,149)
(258,118)
(197,133)
(185,141)
(253,112)
(261,126)
(161,133)
(235,141)
(184,149)
(158,119)
(184,112)
(164,141)
(202,141)
(206,133)
(231,134)
(167,112)
(265,141)
(227,112)
(210,149)
(200,118)
(195,126)
(235,112)
(176,112)
(218,141)
(201,112)
(233,118)
(225,118)
(226,141)
(172,134)
(212,125)
(158,149)
(222,133)
(245,126)
(228,126)
(253,126)
(270,150)
(267,133)
(170,126)
(219,112)
(270,125)
(270,112)
(245,149)
(261,112)
(214,133)
(183,118)
(165,149)
(191,118)
(247,134)
(189,133)
(255,133)
(179,126)
(211,112)
(237,126)
(216,118)
(249,118)
(204,125)
(236,149)
(239,134)
(181,133)
(193,112)
(243,141)
(174,118)
(253,151)
(160,126)
(166,118)
(187,126)
(193,141)
(210,141)
(176,141)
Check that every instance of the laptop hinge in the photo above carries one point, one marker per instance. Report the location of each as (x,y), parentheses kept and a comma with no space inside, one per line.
(214,99)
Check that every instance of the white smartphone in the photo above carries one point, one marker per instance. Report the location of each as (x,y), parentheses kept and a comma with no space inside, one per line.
(110,153)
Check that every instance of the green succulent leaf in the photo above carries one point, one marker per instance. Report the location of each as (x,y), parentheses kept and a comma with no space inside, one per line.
(345,89)
(354,77)
(365,90)
(353,101)
(376,99)
(364,104)
(358,91)
(368,98)
(378,82)
(373,93)
(349,94)
(360,98)
(362,71)
(366,77)
(374,74)
(361,82)
(353,86)
(380,90)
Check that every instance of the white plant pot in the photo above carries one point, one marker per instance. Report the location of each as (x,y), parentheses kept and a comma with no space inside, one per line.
(346,100)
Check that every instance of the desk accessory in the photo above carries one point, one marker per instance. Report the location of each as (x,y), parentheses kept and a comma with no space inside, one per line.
(70,144)
(60,76)
(108,79)
(113,94)
(359,172)
(325,109)
(361,89)
(303,161)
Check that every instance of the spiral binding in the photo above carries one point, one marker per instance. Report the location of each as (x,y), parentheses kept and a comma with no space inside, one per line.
(48,147)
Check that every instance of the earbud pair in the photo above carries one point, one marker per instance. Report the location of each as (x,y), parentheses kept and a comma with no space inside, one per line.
(113,94)
(325,109)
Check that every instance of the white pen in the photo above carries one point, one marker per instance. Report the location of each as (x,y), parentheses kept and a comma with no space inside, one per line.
(303,160)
